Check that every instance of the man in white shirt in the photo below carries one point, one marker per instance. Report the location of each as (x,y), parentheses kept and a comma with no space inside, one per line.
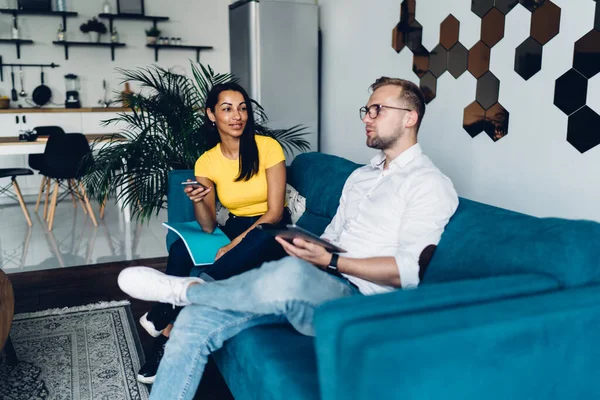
(391,216)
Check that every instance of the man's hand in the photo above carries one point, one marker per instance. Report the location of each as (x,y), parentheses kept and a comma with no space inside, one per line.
(313,253)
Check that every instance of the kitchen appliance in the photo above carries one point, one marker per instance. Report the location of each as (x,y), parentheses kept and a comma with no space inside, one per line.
(274,48)
(72,97)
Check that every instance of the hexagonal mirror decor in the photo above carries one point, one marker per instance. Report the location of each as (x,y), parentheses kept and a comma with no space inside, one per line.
(528,58)
(496,122)
(505,6)
(414,35)
(398,39)
(479,59)
(586,58)
(474,119)
(457,60)
(407,11)
(545,22)
(438,61)
(582,129)
(421,61)
(449,32)
(488,89)
(481,7)
(531,5)
(492,27)
(428,85)
(570,92)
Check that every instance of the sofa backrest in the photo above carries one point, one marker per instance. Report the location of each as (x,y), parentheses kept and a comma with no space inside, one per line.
(481,240)
(320,179)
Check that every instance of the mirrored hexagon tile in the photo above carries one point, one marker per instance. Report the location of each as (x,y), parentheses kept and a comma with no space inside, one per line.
(570,92)
(481,7)
(414,36)
(492,27)
(496,122)
(428,85)
(479,59)
(398,38)
(457,60)
(438,61)
(505,6)
(545,22)
(474,119)
(488,88)
(531,5)
(407,11)
(586,57)
(449,30)
(528,58)
(582,129)
(421,61)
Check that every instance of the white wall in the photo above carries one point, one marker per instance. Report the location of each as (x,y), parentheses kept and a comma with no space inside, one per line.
(197,22)
(532,170)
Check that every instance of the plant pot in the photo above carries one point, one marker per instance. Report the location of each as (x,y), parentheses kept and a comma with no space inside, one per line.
(94,37)
(151,39)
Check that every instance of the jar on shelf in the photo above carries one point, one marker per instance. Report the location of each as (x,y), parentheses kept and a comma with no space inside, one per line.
(114,36)
(60,34)
(106,9)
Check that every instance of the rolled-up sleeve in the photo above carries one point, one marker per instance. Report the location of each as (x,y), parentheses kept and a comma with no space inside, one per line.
(430,204)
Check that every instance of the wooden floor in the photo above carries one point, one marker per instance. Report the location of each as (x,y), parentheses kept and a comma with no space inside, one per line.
(75,286)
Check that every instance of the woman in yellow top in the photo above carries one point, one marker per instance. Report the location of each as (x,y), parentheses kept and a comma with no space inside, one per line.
(247,173)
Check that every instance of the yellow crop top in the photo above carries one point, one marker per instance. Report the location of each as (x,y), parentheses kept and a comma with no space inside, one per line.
(242,198)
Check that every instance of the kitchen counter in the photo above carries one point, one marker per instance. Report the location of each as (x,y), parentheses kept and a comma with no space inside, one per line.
(62,110)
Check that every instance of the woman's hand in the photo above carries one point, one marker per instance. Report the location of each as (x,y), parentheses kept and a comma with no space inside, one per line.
(196,193)
(227,248)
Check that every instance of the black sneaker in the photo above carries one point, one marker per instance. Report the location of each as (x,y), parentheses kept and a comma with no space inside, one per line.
(159,316)
(147,373)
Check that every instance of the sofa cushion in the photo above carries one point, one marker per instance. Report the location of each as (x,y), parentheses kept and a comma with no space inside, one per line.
(270,362)
(320,178)
(482,240)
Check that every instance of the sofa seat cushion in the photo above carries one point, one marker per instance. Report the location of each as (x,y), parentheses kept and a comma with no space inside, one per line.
(270,362)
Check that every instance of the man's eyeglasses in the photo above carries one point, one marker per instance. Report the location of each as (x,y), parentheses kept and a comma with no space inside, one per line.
(374,109)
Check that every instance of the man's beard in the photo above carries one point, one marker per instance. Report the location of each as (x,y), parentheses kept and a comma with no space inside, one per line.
(380,143)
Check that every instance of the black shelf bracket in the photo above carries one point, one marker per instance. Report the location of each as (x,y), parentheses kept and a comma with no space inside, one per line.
(68,44)
(198,49)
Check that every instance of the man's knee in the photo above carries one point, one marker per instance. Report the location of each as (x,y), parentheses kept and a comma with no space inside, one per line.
(286,278)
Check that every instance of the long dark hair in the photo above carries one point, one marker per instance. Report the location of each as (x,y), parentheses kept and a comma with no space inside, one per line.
(248,148)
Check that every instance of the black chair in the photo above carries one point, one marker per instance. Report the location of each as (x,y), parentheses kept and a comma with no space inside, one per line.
(13,173)
(66,160)
(37,160)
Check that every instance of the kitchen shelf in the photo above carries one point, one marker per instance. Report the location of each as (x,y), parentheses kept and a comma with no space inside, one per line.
(63,14)
(138,17)
(63,110)
(67,44)
(18,43)
(198,49)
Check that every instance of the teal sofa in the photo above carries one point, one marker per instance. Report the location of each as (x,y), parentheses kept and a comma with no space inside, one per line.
(509,308)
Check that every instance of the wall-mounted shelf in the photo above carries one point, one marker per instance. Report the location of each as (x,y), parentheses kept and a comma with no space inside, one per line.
(157,47)
(18,43)
(138,17)
(67,44)
(63,14)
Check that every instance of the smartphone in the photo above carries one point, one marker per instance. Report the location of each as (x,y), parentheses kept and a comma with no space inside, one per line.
(194,184)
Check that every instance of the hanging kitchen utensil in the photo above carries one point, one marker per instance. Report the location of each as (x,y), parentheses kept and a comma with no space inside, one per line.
(41,94)
(22,93)
(13,92)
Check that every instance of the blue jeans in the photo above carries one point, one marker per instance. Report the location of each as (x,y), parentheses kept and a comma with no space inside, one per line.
(287,290)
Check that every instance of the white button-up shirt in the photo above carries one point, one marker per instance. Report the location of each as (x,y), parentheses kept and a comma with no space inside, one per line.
(394,212)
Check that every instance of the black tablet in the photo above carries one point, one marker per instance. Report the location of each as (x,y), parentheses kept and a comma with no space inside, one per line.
(290,232)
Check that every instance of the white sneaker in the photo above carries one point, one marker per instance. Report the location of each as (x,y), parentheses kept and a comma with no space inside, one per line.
(149,327)
(148,284)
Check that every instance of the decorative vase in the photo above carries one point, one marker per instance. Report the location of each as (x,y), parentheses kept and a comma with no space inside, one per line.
(151,39)
(94,37)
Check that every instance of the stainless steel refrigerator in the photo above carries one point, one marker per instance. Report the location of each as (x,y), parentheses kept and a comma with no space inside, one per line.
(274,51)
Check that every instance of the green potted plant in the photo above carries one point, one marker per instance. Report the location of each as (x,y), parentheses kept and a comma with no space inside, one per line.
(94,28)
(152,34)
(163,131)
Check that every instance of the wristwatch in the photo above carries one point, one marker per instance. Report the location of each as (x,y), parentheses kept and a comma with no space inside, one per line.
(332,267)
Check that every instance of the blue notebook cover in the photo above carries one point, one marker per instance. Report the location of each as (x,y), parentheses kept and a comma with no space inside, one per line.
(202,246)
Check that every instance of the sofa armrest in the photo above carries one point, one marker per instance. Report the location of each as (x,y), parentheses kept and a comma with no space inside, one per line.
(351,331)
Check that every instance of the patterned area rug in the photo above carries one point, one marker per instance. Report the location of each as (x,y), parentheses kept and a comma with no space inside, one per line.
(80,353)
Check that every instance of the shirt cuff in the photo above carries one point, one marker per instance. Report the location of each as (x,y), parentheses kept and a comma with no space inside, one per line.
(408,268)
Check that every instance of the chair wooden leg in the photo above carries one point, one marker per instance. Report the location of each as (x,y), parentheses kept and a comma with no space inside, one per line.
(48,186)
(87,203)
(37,203)
(79,196)
(71,191)
(21,201)
(53,205)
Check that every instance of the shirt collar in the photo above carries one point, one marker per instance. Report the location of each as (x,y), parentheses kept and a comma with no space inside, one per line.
(399,162)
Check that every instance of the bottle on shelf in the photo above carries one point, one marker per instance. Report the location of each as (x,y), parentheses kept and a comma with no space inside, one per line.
(15,29)
(60,35)
(106,8)
(125,93)
(114,36)
(61,5)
